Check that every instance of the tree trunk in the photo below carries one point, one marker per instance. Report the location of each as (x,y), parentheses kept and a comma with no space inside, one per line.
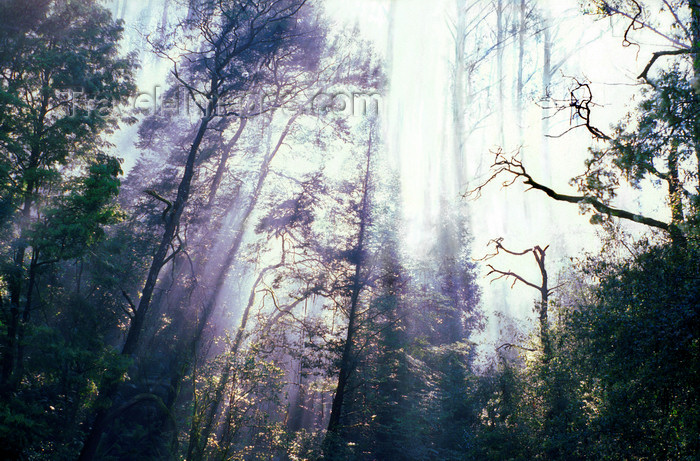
(346,361)
(19,366)
(11,355)
(195,449)
(458,95)
(231,255)
(221,168)
(500,37)
(544,304)
(109,387)
(695,46)
(546,81)
(519,106)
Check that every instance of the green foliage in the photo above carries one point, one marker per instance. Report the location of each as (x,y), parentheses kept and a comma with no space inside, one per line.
(640,341)
(623,379)
(69,46)
(21,423)
(75,223)
(656,144)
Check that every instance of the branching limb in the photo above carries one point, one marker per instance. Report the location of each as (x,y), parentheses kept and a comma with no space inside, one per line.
(539,254)
(582,107)
(505,274)
(514,170)
(159,197)
(638,23)
(657,55)
(508,346)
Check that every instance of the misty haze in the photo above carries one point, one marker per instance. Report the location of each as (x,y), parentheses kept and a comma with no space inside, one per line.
(349,230)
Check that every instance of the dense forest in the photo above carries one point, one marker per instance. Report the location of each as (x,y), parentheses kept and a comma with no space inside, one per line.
(222,235)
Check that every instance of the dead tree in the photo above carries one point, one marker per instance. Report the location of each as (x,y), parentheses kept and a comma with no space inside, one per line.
(539,254)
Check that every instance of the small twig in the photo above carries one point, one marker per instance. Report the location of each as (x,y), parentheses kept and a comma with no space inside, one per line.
(510,346)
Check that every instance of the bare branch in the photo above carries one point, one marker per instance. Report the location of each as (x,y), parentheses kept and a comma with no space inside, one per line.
(583,107)
(678,20)
(506,274)
(656,56)
(639,24)
(514,169)
(510,346)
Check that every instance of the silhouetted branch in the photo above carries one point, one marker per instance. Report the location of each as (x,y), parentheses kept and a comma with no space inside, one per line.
(625,40)
(159,197)
(510,346)
(514,170)
(656,56)
(583,108)
(610,10)
(506,274)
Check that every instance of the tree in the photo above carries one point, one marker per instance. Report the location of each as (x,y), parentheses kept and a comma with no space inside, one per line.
(239,41)
(42,130)
(358,276)
(602,392)
(633,345)
(69,230)
(542,306)
(656,144)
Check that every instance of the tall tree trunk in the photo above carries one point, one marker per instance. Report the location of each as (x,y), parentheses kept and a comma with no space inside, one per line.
(232,253)
(346,361)
(519,103)
(695,35)
(171,227)
(221,168)
(546,82)
(195,448)
(540,255)
(500,38)
(15,281)
(109,386)
(458,95)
